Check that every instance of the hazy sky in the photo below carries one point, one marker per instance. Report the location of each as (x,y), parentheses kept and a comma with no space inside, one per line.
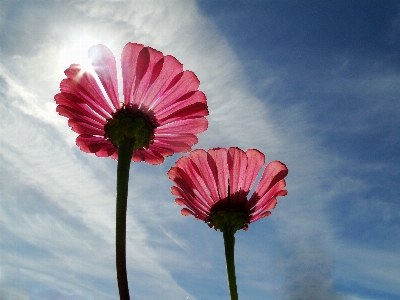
(315,84)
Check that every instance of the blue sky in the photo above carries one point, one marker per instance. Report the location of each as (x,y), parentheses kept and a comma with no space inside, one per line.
(315,84)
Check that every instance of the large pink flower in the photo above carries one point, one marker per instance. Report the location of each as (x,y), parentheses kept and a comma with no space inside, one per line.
(158,95)
(214,185)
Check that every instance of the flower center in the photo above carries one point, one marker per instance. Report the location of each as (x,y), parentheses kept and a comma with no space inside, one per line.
(228,220)
(126,125)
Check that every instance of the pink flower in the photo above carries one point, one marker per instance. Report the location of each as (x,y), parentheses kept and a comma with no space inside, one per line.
(214,186)
(163,108)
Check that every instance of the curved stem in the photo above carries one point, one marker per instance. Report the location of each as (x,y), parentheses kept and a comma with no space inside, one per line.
(229,242)
(125,151)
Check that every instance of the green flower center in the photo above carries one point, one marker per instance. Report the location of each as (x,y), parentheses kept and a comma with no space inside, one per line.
(228,220)
(126,125)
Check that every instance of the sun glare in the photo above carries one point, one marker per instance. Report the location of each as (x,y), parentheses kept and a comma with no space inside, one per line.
(76,52)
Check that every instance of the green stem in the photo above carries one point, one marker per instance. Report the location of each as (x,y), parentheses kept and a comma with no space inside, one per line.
(229,242)
(125,151)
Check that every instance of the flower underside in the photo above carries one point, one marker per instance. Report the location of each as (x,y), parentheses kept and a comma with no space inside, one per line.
(228,220)
(126,125)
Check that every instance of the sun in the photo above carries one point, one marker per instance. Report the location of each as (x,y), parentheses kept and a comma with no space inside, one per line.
(75,51)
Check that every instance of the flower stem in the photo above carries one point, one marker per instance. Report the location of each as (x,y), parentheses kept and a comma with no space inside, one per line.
(229,242)
(125,151)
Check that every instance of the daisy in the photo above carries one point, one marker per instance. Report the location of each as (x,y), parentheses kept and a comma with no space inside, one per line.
(161,113)
(214,186)
(162,108)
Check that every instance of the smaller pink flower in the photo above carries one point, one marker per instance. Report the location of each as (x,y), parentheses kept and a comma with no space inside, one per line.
(162,109)
(214,186)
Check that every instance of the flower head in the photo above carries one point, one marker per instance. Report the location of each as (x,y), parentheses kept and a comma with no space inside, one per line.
(162,109)
(214,186)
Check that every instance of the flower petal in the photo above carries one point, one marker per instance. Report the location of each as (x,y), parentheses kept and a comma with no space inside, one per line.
(200,159)
(237,164)
(83,85)
(255,160)
(175,142)
(186,212)
(180,201)
(92,144)
(274,174)
(148,155)
(164,73)
(103,62)
(193,105)
(217,161)
(67,107)
(193,172)
(128,64)
(183,83)
(84,128)
(138,64)
(192,126)
(185,189)
(265,211)
(170,145)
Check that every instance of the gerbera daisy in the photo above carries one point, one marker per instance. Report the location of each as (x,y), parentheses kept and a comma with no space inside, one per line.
(163,110)
(214,187)
(161,114)
(216,183)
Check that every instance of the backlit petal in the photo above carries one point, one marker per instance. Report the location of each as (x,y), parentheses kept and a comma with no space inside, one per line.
(217,159)
(237,164)
(103,62)
(273,173)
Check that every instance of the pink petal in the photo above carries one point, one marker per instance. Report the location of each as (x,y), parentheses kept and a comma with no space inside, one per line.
(187,192)
(146,62)
(70,104)
(186,212)
(98,145)
(103,62)
(169,148)
(138,64)
(162,151)
(264,211)
(179,201)
(188,188)
(274,173)
(255,160)
(176,143)
(182,84)
(193,126)
(128,64)
(217,161)
(164,72)
(84,128)
(108,150)
(77,116)
(237,164)
(84,86)
(193,172)
(174,190)
(73,111)
(149,156)
(264,203)
(199,157)
(189,111)
(70,87)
